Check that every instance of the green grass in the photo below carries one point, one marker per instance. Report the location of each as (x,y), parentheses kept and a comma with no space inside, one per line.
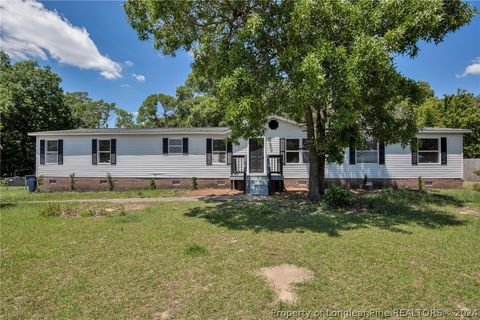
(394,249)
(8,194)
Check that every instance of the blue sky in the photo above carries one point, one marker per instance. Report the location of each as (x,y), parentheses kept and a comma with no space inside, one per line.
(97,60)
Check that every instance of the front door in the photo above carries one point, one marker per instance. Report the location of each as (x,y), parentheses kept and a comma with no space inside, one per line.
(255,147)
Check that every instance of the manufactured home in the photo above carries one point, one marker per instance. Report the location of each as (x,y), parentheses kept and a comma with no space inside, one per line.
(172,156)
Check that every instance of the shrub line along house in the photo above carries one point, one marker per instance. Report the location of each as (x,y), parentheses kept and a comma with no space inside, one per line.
(172,156)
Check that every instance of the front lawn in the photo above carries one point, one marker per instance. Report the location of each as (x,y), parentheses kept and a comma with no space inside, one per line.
(201,260)
(13,194)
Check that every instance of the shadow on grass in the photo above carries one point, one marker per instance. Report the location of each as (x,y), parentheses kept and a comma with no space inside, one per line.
(388,209)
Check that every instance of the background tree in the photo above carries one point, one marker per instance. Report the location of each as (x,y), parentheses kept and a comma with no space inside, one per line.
(30,100)
(460,110)
(328,63)
(156,111)
(88,113)
(124,119)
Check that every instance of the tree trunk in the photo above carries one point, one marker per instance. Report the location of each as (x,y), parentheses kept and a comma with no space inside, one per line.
(313,182)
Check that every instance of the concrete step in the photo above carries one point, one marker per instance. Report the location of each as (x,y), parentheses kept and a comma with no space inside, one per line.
(257,185)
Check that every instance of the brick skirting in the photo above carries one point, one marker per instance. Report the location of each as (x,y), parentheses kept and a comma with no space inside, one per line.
(450,183)
(55,184)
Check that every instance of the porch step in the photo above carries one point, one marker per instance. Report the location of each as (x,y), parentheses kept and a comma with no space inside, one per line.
(257,185)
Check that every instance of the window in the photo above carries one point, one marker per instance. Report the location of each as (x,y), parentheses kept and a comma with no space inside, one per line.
(175,146)
(428,151)
(52,151)
(293,150)
(219,151)
(104,151)
(273,124)
(369,153)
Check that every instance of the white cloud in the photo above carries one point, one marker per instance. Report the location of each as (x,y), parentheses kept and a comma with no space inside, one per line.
(125,85)
(135,113)
(139,77)
(472,69)
(30,30)
(129,63)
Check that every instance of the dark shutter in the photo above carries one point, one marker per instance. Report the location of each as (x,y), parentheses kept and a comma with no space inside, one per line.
(381,152)
(42,151)
(94,151)
(208,152)
(229,153)
(443,150)
(282,149)
(165,145)
(113,151)
(60,152)
(351,155)
(185,146)
(305,157)
(414,147)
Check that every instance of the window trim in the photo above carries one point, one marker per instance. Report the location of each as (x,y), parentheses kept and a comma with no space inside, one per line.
(219,152)
(109,152)
(180,145)
(299,151)
(368,150)
(438,152)
(51,152)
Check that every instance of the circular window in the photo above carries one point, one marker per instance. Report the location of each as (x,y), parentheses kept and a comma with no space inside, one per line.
(273,124)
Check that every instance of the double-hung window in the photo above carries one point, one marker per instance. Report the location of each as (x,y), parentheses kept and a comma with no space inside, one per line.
(296,151)
(368,153)
(52,152)
(428,151)
(293,150)
(104,151)
(219,151)
(175,146)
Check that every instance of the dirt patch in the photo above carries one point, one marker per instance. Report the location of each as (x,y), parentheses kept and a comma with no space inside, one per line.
(213,192)
(99,210)
(282,278)
(470,211)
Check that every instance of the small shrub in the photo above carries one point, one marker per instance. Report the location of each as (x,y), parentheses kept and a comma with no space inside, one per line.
(196,250)
(420,184)
(111,184)
(87,213)
(194,183)
(477,172)
(365,182)
(72,182)
(52,210)
(338,196)
(152,185)
(39,182)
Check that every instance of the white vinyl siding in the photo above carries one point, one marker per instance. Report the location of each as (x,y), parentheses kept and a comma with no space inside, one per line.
(137,156)
(142,156)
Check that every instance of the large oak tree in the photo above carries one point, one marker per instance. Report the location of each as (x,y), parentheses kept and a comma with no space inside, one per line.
(326,63)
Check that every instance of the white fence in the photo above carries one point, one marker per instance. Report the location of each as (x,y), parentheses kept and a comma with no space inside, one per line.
(469,166)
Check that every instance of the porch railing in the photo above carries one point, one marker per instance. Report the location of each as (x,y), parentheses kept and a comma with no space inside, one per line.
(238,165)
(275,164)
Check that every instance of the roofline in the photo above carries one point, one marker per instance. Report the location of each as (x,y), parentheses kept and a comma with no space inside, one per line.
(444,130)
(132,132)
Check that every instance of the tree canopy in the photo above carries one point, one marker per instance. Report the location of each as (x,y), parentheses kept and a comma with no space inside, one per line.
(328,63)
(31,99)
(460,110)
